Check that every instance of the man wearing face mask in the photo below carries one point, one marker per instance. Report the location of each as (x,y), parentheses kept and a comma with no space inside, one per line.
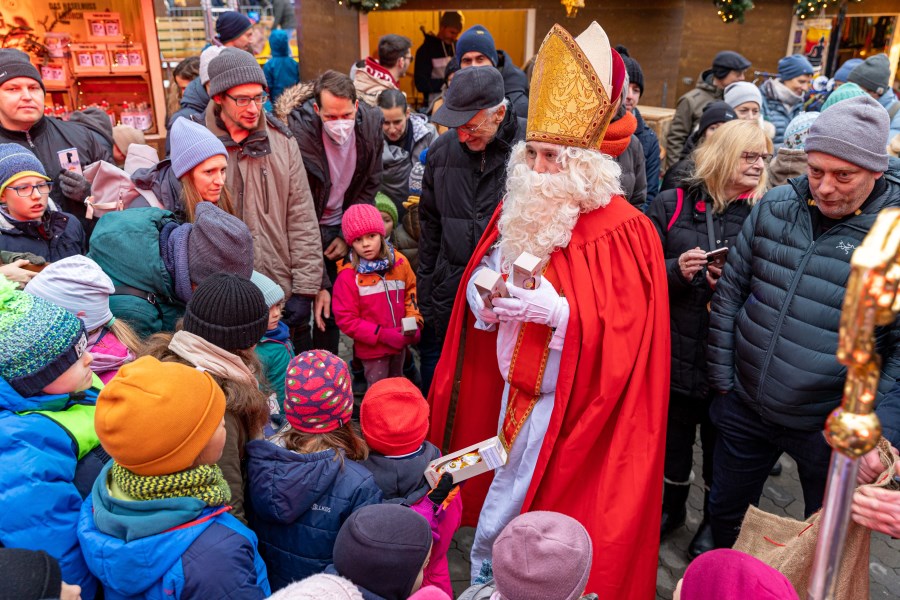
(341,142)
(267,181)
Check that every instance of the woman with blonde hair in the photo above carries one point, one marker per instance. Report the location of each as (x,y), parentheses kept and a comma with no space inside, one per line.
(697,223)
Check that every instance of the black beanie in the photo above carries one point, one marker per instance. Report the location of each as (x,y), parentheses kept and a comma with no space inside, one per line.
(635,74)
(382,547)
(231,25)
(715,112)
(227,311)
(29,574)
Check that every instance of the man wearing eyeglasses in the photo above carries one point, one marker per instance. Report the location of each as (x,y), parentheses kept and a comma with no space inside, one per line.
(464,180)
(22,122)
(394,59)
(267,180)
(776,312)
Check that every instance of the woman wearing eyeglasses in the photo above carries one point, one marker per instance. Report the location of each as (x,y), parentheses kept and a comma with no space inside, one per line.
(703,215)
(29,220)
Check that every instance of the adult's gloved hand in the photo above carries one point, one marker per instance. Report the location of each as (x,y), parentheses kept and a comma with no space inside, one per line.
(393,337)
(297,311)
(74,186)
(542,305)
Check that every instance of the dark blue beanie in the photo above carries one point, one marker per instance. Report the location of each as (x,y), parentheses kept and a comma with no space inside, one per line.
(793,66)
(844,72)
(231,25)
(477,39)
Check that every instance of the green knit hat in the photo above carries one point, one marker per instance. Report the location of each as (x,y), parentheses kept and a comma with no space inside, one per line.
(39,341)
(386,205)
(845,92)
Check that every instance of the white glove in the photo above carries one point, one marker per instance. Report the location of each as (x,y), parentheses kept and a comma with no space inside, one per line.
(541,305)
(482,312)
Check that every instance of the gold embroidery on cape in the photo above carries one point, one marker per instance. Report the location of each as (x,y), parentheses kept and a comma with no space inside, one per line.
(569,105)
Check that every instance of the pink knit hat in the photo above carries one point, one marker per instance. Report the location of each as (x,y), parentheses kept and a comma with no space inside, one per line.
(727,573)
(361,219)
(430,592)
(317,393)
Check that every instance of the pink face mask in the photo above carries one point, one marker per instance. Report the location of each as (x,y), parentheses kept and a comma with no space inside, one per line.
(339,131)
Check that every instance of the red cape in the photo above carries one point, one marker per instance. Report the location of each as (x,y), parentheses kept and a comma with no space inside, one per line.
(602,457)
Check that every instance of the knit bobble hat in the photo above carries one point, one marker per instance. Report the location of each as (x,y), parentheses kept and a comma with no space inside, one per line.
(477,39)
(205,58)
(844,72)
(542,554)
(855,130)
(231,68)
(271,291)
(79,285)
(727,573)
(15,63)
(845,92)
(231,25)
(318,397)
(227,311)
(394,417)
(796,131)
(386,205)
(218,243)
(359,220)
(322,586)
(873,75)
(154,418)
(793,66)
(39,341)
(17,162)
(382,548)
(632,68)
(192,143)
(741,92)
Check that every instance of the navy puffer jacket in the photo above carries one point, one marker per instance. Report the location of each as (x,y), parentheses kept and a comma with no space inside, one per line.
(298,503)
(776,310)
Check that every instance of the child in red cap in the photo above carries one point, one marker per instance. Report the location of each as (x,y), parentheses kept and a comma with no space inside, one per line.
(301,486)
(394,420)
(371,299)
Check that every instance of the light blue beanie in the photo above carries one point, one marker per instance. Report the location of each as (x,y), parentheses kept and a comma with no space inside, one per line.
(192,143)
(271,291)
(17,162)
(844,72)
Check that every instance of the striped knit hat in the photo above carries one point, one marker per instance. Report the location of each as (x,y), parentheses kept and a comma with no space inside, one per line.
(317,394)
(17,162)
(79,285)
(39,341)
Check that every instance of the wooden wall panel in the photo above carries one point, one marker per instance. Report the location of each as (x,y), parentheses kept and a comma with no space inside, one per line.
(328,36)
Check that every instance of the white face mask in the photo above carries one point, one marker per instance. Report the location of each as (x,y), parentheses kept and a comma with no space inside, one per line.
(339,131)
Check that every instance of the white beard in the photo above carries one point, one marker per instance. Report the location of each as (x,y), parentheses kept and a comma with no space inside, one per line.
(540,210)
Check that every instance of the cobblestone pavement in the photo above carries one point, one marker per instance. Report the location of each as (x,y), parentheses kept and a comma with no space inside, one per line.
(782,496)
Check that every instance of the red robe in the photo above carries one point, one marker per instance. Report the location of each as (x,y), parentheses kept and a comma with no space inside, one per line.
(602,457)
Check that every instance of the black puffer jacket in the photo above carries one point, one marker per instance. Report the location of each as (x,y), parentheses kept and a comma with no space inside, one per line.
(295,107)
(688,299)
(634,174)
(775,315)
(45,139)
(515,83)
(460,191)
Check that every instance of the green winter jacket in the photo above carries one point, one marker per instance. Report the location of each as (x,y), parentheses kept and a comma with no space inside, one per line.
(275,353)
(126,246)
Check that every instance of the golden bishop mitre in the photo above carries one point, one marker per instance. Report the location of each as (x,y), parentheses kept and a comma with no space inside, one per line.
(575,86)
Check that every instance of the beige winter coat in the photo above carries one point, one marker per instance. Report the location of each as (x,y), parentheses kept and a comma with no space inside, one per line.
(267,179)
(788,163)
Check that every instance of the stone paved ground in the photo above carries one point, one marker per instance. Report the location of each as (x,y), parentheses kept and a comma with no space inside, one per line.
(782,496)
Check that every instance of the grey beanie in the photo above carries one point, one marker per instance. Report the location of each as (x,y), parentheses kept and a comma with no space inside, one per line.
(271,291)
(218,243)
(855,130)
(205,58)
(231,68)
(740,92)
(192,143)
(873,75)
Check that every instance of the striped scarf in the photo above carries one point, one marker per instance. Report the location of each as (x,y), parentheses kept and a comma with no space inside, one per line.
(206,483)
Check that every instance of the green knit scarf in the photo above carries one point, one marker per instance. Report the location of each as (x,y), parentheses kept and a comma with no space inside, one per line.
(206,483)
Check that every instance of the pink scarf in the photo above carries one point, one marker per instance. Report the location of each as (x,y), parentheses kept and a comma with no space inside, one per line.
(109,355)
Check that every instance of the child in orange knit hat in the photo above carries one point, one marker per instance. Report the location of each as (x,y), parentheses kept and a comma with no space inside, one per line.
(157,520)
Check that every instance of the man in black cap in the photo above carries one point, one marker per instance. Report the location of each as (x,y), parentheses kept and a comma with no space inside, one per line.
(727,67)
(435,54)
(22,122)
(464,180)
(235,30)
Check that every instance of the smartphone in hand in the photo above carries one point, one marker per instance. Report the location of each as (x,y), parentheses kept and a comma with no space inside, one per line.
(717,257)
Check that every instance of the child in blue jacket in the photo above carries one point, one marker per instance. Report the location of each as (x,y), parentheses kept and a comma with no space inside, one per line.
(157,524)
(304,483)
(47,438)
(281,71)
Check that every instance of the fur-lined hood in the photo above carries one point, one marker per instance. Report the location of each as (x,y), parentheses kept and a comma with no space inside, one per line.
(292,98)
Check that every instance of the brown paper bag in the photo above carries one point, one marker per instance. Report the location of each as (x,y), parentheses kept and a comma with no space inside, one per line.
(789,545)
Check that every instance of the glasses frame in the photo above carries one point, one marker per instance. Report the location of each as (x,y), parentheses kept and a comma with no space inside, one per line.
(45,187)
(766,156)
(471,130)
(244,101)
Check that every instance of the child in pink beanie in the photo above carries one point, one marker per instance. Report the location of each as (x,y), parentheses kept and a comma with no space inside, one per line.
(373,296)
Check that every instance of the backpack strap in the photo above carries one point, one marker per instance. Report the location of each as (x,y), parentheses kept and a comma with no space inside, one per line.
(680,194)
(127,290)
